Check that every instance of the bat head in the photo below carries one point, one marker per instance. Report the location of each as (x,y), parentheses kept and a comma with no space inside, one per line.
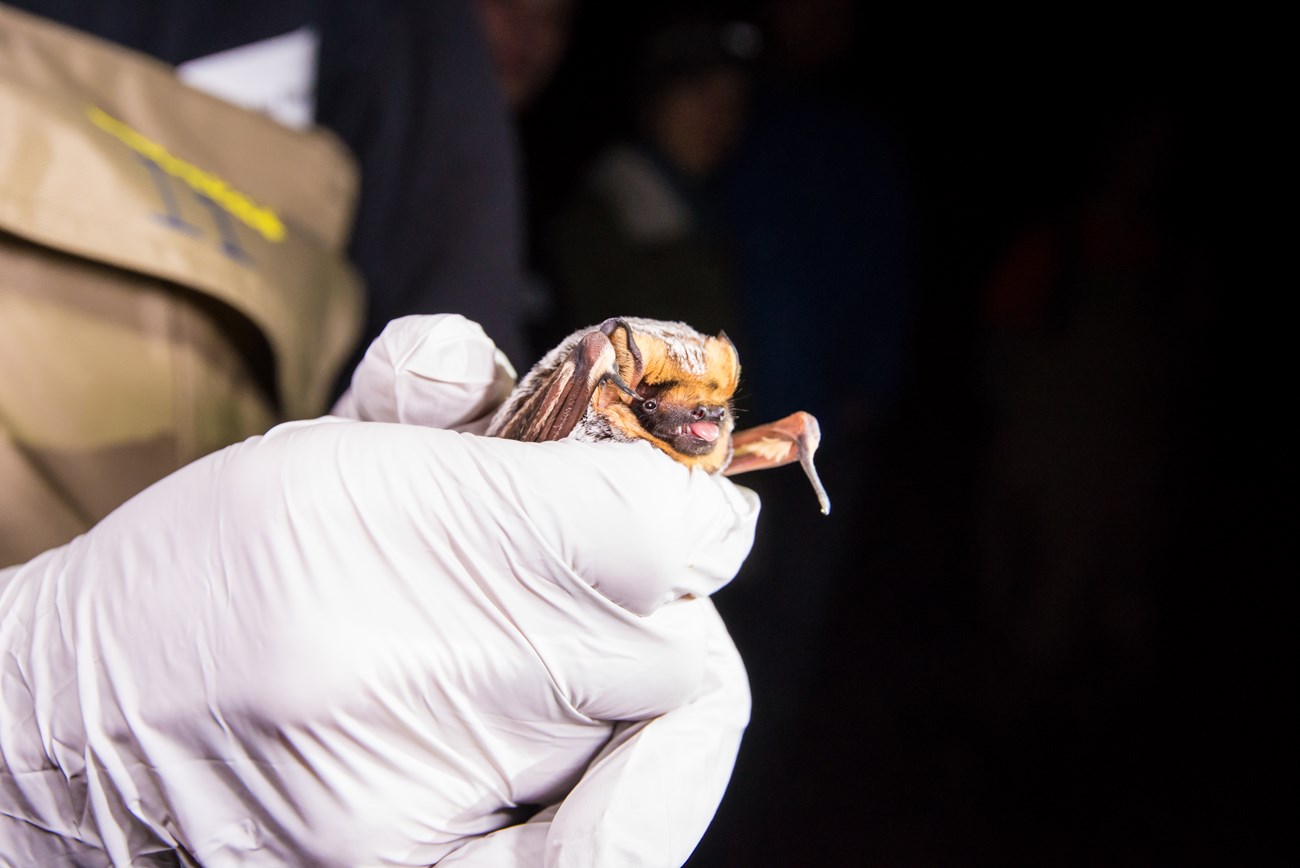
(632,379)
(683,383)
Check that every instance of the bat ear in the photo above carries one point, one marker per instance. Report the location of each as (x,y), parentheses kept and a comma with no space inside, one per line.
(631,363)
(735,354)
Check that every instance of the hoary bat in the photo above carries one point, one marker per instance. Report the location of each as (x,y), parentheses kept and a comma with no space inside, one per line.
(631,379)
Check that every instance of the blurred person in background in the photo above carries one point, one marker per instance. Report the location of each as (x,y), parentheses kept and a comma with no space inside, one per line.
(528,39)
(646,232)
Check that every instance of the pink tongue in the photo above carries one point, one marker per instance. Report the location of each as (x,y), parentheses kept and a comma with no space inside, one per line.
(704,430)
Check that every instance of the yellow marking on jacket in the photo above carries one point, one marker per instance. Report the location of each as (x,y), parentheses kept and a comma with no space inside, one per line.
(259,218)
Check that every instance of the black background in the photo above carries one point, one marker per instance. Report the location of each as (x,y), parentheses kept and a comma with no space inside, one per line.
(925,728)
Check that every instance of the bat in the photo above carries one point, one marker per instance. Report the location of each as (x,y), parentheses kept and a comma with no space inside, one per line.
(631,379)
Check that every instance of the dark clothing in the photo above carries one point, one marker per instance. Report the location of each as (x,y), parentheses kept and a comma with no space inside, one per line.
(439,229)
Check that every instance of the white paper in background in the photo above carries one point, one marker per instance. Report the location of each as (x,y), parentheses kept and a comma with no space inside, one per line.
(276,76)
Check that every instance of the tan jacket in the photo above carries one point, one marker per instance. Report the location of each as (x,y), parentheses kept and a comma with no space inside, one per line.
(172,277)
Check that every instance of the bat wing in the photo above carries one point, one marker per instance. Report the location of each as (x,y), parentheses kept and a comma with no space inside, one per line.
(559,391)
(794,438)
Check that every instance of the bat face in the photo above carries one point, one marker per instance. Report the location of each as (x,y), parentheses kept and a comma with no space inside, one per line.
(631,379)
(683,382)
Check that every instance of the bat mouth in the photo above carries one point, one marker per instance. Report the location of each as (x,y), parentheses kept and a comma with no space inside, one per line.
(707,431)
(691,438)
(693,429)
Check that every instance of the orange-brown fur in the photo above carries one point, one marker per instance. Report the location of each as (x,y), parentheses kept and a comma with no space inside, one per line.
(715,385)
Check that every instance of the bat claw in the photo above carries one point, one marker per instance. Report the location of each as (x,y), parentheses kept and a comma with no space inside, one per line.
(823,500)
(615,380)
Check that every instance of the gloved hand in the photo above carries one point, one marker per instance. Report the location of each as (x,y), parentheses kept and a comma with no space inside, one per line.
(439,371)
(348,643)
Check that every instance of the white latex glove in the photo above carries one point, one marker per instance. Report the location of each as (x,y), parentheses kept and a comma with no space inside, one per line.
(436,370)
(350,643)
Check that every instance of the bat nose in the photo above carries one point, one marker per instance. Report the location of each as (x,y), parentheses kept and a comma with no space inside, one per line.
(706,412)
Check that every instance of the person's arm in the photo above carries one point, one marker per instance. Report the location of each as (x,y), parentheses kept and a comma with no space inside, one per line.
(648,797)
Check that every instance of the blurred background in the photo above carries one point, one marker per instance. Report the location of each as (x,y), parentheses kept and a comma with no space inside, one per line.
(1041,625)
(992,257)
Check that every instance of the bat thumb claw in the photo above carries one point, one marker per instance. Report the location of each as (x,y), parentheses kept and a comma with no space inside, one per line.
(617,381)
(794,438)
(808,437)
(810,470)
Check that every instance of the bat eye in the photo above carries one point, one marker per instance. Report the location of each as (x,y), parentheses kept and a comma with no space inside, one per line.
(649,405)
